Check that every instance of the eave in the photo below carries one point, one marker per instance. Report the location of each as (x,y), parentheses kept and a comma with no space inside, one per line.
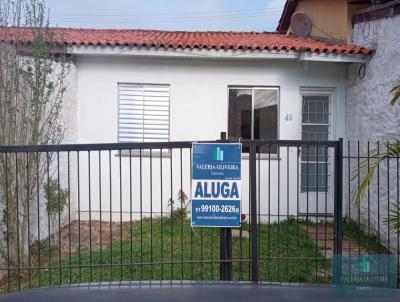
(213,54)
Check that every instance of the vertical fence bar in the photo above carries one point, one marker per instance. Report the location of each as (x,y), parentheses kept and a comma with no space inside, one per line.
(316,208)
(151,213)
(90,218)
(69,216)
(130,216)
(326,177)
(397,208)
(141,212)
(269,213)
(171,217)
(358,189)
(28,198)
(59,217)
(369,199)
(48,216)
(180,196)
(222,255)
(110,215)
(378,186)
(8,227)
(191,231)
(38,217)
(222,241)
(338,199)
(297,204)
(100,223)
(287,207)
(79,217)
(120,215)
(225,245)
(17,225)
(253,202)
(161,217)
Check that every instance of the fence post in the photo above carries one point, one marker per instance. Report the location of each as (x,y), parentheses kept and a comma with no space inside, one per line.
(338,204)
(253,212)
(225,246)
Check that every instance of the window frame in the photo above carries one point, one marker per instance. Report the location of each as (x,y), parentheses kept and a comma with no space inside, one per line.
(145,153)
(318,91)
(145,84)
(252,88)
(331,93)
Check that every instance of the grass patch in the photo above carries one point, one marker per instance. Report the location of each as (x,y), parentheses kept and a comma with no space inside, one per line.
(169,249)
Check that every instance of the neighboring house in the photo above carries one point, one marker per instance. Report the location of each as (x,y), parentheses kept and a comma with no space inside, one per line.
(368,116)
(331,19)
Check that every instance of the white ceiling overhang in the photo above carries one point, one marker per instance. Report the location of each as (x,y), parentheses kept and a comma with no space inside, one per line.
(217,54)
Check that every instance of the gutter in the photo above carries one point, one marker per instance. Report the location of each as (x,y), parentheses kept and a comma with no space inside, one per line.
(214,54)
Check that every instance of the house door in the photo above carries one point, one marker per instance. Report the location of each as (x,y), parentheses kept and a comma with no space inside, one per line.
(316,163)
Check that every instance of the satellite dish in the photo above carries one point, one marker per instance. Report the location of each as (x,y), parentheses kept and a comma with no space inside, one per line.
(300,24)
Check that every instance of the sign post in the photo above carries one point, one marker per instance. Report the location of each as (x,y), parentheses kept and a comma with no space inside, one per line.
(216,193)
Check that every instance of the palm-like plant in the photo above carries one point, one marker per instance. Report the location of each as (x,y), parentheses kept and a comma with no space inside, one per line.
(392,151)
(396,96)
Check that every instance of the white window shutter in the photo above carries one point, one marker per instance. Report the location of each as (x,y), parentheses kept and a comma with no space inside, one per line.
(143,114)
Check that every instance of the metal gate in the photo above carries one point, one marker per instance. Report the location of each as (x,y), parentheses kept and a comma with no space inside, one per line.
(120,212)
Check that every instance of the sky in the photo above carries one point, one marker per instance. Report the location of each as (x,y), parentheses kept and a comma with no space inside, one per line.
(218,15)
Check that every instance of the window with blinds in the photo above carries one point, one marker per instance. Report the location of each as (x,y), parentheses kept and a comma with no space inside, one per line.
(143,114)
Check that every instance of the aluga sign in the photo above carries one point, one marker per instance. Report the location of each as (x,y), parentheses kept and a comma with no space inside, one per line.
(216,185)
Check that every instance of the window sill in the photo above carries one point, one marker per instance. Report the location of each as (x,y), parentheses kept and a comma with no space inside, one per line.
(262,156)
(145,154)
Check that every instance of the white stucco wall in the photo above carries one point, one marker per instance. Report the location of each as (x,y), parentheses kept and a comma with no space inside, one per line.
(198,111)
(369,118)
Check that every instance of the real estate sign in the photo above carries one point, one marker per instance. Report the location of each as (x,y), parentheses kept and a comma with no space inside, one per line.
(216,185)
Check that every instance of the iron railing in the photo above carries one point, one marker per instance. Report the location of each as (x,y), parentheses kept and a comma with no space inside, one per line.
(92,213)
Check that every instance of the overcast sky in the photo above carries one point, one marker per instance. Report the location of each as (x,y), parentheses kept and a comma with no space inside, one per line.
(239,15)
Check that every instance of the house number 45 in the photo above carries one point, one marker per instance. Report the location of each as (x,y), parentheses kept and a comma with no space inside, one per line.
(289,117)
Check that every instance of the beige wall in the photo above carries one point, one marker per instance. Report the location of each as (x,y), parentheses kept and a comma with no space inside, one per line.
(331,19)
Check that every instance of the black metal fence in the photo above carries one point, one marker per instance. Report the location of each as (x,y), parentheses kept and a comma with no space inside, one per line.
(121,212)
(372,220)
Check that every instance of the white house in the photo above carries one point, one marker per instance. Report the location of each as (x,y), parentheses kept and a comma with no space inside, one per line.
(145,85)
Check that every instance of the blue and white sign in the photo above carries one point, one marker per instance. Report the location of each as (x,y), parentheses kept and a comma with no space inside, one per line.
(216,185)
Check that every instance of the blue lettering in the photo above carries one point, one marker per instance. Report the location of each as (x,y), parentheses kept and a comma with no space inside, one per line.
(215,189)
(225,189)
(234,191)
(199,190)
(206,194)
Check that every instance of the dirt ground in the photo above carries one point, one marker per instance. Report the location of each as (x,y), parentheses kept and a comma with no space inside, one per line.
(94,235)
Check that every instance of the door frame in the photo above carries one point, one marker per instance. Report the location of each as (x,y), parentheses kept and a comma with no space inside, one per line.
(313,197)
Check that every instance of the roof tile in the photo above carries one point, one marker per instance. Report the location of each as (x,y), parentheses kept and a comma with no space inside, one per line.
(185,39)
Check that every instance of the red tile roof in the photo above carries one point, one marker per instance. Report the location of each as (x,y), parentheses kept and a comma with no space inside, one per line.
(186,39)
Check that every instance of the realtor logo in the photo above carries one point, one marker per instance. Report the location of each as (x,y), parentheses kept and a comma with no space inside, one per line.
(218,154)
(364,265)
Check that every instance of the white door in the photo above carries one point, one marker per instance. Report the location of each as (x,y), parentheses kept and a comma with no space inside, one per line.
(316,170)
